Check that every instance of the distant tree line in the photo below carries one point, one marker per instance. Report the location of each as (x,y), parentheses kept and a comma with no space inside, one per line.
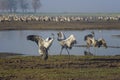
(14,6)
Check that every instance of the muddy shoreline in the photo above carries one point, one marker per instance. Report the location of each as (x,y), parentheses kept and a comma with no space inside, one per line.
(60,68)
(35,25)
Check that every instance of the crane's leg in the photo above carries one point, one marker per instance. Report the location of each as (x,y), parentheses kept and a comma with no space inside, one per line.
(68,53)
(61,50)
(88,47)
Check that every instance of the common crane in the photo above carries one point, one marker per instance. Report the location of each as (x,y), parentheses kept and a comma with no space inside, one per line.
(43,44)
(66,43)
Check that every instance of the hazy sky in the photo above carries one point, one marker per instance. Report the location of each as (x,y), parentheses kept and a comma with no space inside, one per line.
(80,6)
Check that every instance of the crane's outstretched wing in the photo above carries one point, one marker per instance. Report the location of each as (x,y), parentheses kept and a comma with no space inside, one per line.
(36,38)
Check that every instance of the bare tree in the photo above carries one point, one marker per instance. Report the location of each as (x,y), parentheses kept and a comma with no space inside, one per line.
(3,5)
(24,5)
(36,5)
(12,5)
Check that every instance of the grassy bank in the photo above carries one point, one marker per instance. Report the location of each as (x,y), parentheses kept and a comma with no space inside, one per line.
(60,68)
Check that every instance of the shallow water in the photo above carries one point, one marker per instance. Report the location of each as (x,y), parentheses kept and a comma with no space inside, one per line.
(16,42)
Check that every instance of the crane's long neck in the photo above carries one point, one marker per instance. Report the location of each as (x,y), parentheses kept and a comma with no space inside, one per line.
(61,36)
(48,43)
(93,34)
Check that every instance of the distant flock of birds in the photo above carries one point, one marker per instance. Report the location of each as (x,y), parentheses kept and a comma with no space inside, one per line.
(27,18)
(66,43)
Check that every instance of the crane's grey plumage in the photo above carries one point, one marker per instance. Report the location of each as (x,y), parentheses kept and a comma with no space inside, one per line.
(92,35)
(91,41)
(43,44)
(101,42)
(66,43)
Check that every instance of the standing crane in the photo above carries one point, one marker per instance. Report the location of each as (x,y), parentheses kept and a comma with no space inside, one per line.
(43,44)
(66,43)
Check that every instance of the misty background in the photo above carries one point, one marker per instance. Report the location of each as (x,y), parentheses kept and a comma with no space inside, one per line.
(60,6)
(24,6)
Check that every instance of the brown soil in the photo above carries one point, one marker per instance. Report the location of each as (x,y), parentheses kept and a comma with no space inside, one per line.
(35,62)
(34,25)
(56,65)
